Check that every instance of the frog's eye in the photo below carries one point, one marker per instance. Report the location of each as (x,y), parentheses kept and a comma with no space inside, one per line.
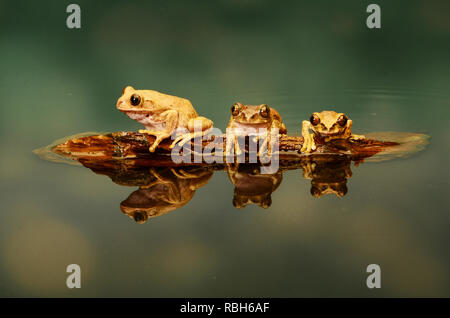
(314,119)
(135,100)
(264,111)
(235,109)
(342,120)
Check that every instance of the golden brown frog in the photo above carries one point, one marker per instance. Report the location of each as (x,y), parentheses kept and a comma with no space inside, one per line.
(250,186)
(246,120)
(162,115)
(328,174)
(326,126)
(170,189)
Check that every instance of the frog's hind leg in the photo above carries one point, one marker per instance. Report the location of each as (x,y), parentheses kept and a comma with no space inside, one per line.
(308,138)
(357,137)
(206,126)
(265,145)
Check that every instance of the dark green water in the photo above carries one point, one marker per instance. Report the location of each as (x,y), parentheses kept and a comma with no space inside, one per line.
(298,57)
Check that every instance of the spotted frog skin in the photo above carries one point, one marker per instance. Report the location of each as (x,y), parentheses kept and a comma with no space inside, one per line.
(245,120)
(326,125)
(162,115)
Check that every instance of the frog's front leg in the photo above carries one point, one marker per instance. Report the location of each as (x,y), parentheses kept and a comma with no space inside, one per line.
(158,177)
(308,138)
(357,137)
(204,123)
(170,118)
(182,174)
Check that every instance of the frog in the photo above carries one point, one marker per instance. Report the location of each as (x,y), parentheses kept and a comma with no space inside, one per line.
(326,125)
(245,120)
(328,174)
(163,115)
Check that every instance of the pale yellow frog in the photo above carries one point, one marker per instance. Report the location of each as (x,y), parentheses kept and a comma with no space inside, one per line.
(327,125)
(246,120)
(170,189)
(162,115)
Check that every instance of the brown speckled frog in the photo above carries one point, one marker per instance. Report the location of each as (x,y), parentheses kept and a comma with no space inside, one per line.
(162,115)
(252,187)
(245,120)
(327,125)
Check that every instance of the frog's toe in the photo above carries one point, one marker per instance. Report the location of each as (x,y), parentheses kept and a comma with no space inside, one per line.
(262,153)
(181,140)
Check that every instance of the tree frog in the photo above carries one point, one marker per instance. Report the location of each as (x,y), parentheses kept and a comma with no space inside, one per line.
(245,120)
(326,126)
(250,186)
(162,115)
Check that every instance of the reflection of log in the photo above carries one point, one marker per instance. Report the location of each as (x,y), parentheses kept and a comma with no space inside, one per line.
(131,145)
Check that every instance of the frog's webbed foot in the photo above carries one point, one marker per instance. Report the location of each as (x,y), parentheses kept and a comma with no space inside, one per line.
(308,169)
(184,138)
(232,141)
(183,174)
(265,145)
(158,177)
(308,143)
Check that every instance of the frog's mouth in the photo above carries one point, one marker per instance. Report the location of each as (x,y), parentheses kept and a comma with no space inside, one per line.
(331,134)
(137,115)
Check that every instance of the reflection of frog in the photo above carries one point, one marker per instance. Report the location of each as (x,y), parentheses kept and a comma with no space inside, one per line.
(252,187)
(326,126)
(169,190)
(162,114)
(328,175)
(247,119)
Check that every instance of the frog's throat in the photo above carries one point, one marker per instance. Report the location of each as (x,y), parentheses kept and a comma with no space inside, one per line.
(249,124)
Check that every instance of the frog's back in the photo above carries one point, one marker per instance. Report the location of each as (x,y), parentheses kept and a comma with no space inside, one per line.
(171,102)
